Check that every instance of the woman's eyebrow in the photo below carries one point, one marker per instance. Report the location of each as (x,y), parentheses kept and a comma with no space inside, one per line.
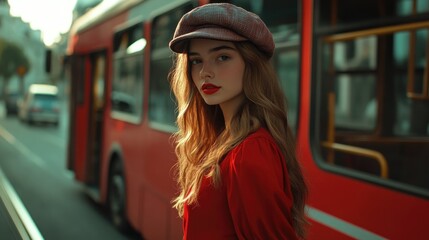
(223,47)
(215,49)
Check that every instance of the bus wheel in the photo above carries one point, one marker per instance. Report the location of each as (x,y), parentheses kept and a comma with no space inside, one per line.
(117,197)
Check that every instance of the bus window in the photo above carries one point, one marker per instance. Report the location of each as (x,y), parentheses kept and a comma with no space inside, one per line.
(373,93)
(355,84)
(286,62)
(127,84)
(281,18)
(162,106)
(405,7)
(412,109)
(366,12)
(278,15)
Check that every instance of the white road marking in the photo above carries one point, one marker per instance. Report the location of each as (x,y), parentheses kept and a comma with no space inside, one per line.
(22,148)
(17,211)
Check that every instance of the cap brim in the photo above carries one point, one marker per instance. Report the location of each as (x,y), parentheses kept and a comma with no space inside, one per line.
(179,45)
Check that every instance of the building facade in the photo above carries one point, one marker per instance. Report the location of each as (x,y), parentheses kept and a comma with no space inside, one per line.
(13,29)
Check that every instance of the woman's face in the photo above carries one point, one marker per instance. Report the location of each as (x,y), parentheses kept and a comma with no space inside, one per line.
(217,71)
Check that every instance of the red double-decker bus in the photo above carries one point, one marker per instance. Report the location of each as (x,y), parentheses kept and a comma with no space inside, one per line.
(356,75)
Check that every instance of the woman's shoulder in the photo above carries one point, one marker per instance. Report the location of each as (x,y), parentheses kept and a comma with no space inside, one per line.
(259,141)
(261,134)
(257,152)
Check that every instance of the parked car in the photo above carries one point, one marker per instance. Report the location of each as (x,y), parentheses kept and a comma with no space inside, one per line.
(12,103)
(40,104)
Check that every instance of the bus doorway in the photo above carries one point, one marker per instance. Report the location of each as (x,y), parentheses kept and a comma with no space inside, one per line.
(96,116)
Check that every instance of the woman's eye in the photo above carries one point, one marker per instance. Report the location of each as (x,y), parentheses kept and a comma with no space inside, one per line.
(223,58)
(194,61)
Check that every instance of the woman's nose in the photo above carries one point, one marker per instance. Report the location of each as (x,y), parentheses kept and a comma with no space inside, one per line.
(206,72)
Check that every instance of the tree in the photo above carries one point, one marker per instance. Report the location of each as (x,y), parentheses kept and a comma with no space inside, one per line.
(12,61)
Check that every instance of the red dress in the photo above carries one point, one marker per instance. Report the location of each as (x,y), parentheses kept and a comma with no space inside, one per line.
(254,200)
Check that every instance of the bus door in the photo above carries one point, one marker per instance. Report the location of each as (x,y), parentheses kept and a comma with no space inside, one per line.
(86,114)
(78,73)
(96,116)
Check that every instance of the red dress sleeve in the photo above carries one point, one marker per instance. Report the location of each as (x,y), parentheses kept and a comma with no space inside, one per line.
(258,191)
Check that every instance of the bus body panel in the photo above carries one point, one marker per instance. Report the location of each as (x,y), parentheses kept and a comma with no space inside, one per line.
(99,36)
(373,208)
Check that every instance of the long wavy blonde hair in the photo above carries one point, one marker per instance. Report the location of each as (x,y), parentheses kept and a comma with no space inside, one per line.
(202,140)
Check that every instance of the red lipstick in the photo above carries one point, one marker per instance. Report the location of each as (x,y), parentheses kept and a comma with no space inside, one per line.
(209,88)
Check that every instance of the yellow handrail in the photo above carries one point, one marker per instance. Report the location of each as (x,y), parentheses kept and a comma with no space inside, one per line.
(384,169)
(375,31)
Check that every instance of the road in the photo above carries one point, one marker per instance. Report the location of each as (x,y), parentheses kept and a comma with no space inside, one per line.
(33,158)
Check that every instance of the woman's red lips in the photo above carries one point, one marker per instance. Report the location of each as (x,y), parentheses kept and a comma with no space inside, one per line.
(209,88)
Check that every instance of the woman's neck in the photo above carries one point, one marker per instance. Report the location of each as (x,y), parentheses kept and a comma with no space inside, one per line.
(227,116)
(229,109)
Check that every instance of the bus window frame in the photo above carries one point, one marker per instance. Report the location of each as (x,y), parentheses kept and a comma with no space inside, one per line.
(322,35)
(158,55)
(122,55)
(282,48)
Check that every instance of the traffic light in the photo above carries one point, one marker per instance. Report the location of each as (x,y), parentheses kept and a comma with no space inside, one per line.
(48,60)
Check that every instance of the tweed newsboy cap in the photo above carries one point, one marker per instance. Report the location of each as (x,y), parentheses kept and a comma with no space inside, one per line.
(222,21)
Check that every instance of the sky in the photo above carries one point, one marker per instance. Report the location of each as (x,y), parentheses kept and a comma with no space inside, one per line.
(51,17)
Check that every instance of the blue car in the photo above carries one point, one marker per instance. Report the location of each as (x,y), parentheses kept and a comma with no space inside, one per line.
(40,105)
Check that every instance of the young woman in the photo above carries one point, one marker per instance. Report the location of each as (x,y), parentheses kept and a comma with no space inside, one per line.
(238,174)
